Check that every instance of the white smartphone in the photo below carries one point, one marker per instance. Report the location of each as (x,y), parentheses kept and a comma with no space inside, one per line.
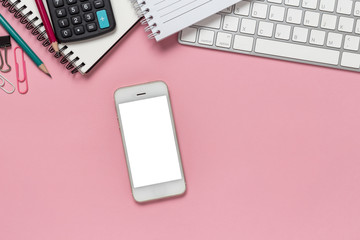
(150,143)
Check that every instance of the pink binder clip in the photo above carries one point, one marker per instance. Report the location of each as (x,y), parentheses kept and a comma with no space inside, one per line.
(24,79)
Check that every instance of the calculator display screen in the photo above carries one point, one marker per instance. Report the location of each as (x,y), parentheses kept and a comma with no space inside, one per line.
(150,141)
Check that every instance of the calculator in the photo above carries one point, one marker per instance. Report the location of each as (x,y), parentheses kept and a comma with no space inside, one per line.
(75,20)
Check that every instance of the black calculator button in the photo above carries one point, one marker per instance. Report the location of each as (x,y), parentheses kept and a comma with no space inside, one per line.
(86,7)
(89,17)
(79,30)
(58,3)
(60,12)
(74,10)
(91,27)
(66,33)
(63,23)
(71,1)
(76,20)
(98,3)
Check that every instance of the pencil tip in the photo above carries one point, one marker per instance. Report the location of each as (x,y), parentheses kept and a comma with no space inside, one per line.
(43,68)
(55,46)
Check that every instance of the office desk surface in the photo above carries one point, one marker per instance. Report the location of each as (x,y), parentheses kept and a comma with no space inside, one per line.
(270,148)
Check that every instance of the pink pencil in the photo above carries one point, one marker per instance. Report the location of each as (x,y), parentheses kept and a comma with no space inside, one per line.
(47,24)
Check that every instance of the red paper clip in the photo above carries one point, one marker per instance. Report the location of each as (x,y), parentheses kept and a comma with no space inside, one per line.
(24,80)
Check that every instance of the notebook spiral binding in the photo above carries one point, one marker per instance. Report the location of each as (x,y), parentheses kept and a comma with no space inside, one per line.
(41,35)
(142,10)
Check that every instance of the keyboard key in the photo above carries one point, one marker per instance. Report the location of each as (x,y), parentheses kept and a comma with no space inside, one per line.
(79,30)
(351,60)
(300,34)
(243,43)
(223,40)
(61,12)
(63,23)
(213,21)
(265,29)
(247,26)
(295,3)
(206,37)
(99,4)
(189,34)
(66,33)
(345,24)
(328,21)
(102,19)
(73,10)
(275,1)
(86,7)
(357,28)
(296,51)
(344,6)
(282,31)
(311,19)
(294,16)
(227,10)
(58,3)
(259,10)
(242,8)
(277,13)
(317,37)
(311,4)
(357,9)
(231,23)
(334,40)
(91,27)
(351,43)
(89,17)
(76,20)
(327,5)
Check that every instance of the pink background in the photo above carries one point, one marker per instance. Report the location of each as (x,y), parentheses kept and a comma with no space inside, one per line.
(270,148)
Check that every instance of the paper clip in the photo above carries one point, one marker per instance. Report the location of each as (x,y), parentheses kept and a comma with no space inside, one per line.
(4,81)
(24,79)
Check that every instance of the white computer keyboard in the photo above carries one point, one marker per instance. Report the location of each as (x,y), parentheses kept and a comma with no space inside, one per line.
(320,32)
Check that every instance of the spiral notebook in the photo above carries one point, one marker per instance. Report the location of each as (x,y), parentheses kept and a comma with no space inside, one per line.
(77,56)
(165,17)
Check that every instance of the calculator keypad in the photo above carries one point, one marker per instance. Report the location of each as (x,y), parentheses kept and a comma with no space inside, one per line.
(75,20)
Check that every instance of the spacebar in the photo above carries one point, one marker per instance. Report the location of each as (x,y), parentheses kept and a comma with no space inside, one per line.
(298,52)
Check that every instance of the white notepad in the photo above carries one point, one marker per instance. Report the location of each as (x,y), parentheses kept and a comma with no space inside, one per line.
(166,17)
(86,53)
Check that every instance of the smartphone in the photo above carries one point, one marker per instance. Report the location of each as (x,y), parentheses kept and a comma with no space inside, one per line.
(150,143)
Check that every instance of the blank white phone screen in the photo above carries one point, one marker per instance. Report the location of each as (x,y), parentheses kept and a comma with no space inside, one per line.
(150,141)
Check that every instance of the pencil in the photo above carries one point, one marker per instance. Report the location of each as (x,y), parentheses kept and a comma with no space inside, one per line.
(23,45)
(47,25)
